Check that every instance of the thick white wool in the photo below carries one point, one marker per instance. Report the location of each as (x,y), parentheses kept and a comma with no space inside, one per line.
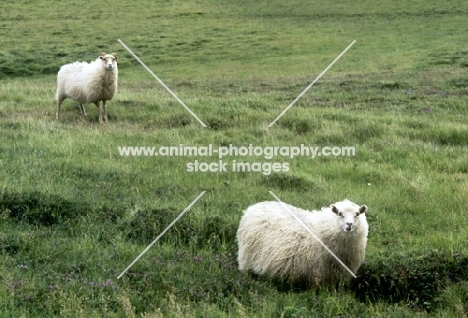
(88,82)
(273,244)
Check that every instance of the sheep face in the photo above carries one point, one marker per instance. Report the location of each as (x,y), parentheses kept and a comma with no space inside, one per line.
(109,60)
(348,215)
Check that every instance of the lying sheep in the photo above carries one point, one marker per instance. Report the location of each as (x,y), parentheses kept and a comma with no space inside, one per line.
(272,243)
(88,83)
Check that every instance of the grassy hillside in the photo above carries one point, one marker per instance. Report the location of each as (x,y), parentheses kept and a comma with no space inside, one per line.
(75,213)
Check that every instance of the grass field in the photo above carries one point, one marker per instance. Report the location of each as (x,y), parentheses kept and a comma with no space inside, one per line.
(74,213)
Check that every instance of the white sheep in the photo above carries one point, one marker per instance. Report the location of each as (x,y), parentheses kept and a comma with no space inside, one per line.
(88,83)
(272,242)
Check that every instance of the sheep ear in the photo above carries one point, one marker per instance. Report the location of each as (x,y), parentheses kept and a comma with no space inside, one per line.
(334,209)
(114,55)
(362,209)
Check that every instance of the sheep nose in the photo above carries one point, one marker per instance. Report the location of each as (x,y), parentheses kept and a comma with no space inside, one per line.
(349,223)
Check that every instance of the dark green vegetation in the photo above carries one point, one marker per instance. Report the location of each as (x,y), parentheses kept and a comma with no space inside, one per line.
(74,213)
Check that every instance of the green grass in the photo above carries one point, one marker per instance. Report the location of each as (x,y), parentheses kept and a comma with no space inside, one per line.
(74,213)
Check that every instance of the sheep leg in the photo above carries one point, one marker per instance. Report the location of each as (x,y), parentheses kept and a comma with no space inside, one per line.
(58,108)
(98,105)
(83,110)
(104,105)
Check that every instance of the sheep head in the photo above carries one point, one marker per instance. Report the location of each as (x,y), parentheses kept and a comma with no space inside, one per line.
(348,214)
(109,60)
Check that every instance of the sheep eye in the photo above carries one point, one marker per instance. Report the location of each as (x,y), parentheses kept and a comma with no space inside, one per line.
(357,214)
(340,213)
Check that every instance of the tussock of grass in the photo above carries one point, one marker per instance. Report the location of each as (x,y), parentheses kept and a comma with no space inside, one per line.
(287,182)
(41,209)
(145,225)
(416,280)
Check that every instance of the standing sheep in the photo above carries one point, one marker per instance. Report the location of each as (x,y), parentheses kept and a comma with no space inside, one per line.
(88,83)
(272,243)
